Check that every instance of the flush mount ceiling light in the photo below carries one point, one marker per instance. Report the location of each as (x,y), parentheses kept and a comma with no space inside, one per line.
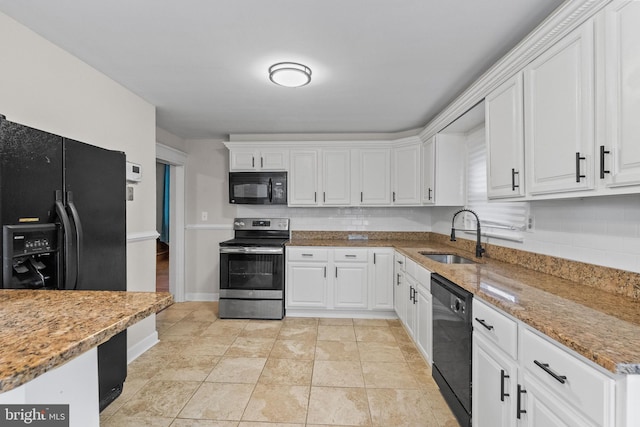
(290,74)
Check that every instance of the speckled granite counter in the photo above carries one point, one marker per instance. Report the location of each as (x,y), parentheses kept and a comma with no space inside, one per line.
(40,330)
(600,325)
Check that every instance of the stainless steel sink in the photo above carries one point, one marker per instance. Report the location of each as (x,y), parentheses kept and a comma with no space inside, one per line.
(448,258)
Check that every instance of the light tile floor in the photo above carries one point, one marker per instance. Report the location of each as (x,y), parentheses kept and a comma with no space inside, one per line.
(210,372)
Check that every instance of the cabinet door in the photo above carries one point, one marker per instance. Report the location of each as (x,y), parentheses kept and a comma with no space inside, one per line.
(411,306)
(400,296)
(303,178)
(544,409)
(494,379)
(622,38)
(274,160)
(375,176)
(424,320)
(504,130)
(242,160)
(381,279)
(429,172)
(559,115)
(406,175)
(306,284)
(350,285)
(336,177)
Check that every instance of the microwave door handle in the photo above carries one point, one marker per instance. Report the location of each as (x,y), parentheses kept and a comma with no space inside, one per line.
(66,230)
(270,190)
(79,235)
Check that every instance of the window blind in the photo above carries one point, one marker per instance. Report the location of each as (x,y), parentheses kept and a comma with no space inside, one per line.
(499,219)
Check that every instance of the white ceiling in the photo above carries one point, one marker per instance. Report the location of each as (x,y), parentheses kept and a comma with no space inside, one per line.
(378,65)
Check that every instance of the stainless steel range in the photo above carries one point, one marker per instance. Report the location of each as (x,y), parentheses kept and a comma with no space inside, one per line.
(252,269)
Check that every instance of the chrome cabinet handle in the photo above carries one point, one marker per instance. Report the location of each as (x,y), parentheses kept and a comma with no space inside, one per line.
(545,367)
(307,255)
(350,256)
(484,323)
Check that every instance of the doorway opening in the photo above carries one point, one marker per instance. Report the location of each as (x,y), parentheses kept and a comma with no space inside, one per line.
(163,200)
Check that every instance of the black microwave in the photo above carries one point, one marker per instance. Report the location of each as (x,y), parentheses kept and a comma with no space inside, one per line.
(258,188)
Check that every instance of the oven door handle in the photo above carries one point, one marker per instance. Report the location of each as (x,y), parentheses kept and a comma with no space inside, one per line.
(252,250)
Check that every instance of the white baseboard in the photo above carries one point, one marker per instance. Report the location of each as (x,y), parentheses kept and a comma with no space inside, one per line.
(355,314)
(136,351)
(202,296)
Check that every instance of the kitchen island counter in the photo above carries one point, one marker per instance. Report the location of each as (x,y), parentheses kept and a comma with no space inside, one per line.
(41,330)
(600,325)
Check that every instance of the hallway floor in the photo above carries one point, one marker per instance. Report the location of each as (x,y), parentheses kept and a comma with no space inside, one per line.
(296,372)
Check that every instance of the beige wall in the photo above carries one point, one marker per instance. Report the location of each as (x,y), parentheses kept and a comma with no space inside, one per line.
(207,172)
(47,88)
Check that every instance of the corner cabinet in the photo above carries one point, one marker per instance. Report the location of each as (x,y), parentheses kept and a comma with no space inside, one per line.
(504,129)
(443,170)
(346,280)
(560,115)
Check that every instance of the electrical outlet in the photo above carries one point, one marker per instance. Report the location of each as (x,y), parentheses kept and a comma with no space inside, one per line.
(129,194)
(530,223)
(205,215)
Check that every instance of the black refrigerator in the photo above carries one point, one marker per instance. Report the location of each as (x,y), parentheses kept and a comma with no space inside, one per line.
(63,217)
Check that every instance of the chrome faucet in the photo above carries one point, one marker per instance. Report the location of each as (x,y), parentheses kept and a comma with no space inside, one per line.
(479,248)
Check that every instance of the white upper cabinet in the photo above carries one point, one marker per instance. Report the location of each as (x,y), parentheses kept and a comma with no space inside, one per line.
(504,127)
(303,178)
(256,159)
(619,153)
(406,174)
(443,170)
(559,115)
(336,177)
(375,177)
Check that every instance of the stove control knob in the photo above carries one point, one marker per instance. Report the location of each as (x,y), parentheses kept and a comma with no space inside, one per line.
(239,224)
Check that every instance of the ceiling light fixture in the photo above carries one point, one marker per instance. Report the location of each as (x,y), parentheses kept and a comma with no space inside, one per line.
(290,74)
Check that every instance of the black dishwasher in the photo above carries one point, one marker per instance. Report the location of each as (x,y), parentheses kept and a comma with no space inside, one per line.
(452,333)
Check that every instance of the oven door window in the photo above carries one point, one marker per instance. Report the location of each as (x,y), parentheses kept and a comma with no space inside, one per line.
(252,271)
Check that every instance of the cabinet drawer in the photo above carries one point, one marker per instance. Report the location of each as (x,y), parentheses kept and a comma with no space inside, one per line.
(424,277)
(307,253)
(351,255)
(498,328)
(590,391)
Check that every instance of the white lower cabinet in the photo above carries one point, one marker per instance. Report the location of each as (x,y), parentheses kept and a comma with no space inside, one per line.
(424,322)
(325,280)
(306,282)
(521,378)
(413,302)
(350,282)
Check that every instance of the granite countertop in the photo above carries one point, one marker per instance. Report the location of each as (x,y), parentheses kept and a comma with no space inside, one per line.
(40,329)
(601,326)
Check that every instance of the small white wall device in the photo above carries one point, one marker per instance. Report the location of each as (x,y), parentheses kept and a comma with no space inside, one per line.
(134,172)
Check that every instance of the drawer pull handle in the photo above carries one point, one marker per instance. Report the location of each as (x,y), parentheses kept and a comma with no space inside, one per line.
(503,376)
(545,367)
(483,323)
(350,256)
(519,411)
(307,254)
